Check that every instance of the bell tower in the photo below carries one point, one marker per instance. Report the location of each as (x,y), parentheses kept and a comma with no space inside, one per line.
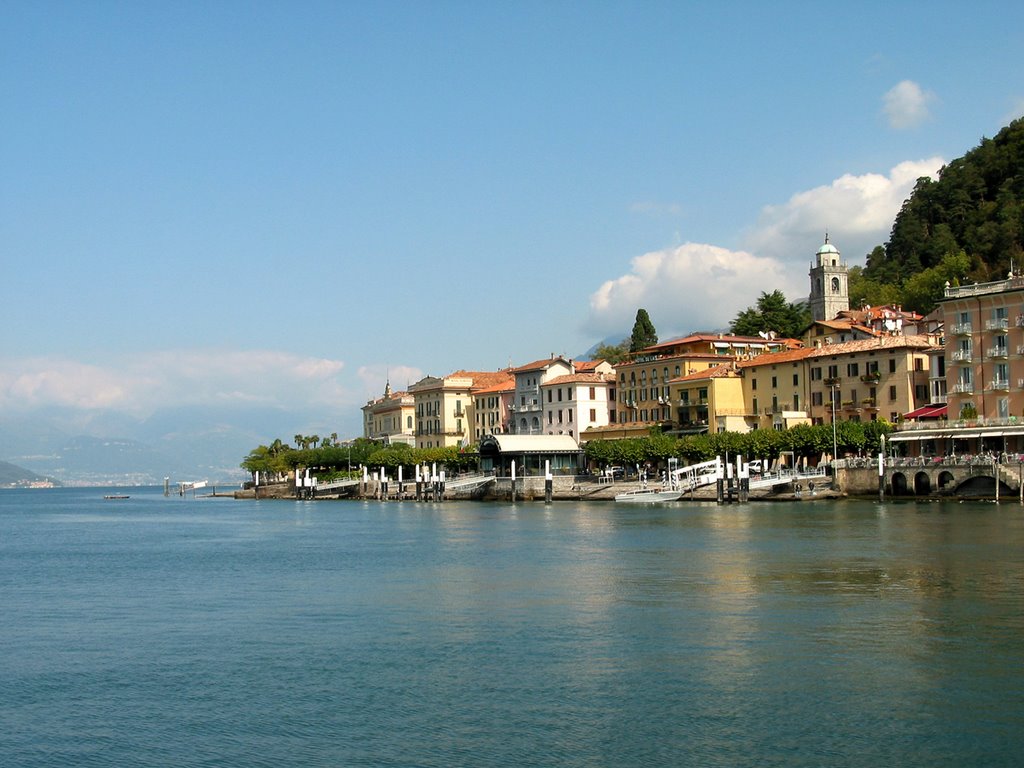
(830,289)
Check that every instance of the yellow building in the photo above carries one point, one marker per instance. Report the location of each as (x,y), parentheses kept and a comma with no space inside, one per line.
(710,400)
(867,380)
(445,407)
(390,418)
(644,390)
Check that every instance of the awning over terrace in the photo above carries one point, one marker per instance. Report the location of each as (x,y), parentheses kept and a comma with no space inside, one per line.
(928,412)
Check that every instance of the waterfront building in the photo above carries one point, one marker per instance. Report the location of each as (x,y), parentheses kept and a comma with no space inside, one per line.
(776,389)
(866,380)
(390,419)
(576,402)
(527,407)
(532,454)
(710,400)
(493,407)
(984,325)
(445,405)
(644,391)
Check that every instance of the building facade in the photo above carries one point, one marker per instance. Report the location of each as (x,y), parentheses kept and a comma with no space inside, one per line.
(984,327)
(576,402)
(391,418)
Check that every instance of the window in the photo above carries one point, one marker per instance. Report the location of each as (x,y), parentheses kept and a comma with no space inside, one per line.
(816,398)
(570,415)
(796,381)
(549,395)
(593,393)
(753,384)
(816,374)
(833,371)
(892,365)
(892,394)
(775,382)
(593,414)
(852,369)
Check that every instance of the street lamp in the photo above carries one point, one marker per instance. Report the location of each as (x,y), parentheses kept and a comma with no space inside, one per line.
(835,441)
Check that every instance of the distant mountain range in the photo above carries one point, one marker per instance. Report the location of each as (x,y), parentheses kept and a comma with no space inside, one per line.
(111,449)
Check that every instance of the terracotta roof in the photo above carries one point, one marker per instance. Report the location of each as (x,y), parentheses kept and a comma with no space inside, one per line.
(539,365)
(710,337)
(843,348)
(508,384)
(582,366)
(867,345)
(774,358)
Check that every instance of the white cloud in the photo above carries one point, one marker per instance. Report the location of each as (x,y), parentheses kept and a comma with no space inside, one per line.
(857,211)
(143,384)
(906,105)
(690,287)
(699,286)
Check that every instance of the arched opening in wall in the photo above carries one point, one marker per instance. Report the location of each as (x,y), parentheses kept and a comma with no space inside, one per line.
(922,484)
(899,484)
(982,486)
(945,478)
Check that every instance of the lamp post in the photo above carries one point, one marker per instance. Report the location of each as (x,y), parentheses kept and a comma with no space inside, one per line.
(835,441)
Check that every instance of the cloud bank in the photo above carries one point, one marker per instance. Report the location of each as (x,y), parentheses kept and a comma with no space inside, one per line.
(689,287)
(698,286)
(144,384)
(857,211)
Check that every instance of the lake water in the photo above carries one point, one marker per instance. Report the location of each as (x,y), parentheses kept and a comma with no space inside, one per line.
(211,632)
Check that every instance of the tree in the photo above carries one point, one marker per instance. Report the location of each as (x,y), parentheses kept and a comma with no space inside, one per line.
(643,335)
(773,313)
(613,353)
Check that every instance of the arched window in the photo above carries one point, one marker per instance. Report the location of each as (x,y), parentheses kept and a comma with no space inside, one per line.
(835,285)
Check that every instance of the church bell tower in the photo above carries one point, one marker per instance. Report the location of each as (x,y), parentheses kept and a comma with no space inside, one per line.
(830,290)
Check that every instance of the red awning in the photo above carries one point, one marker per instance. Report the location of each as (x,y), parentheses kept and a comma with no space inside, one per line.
(927,412)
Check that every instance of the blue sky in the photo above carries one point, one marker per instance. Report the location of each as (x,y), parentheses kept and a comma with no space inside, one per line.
(276,205)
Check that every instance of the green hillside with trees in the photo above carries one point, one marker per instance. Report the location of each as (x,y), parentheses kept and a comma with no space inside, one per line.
(968,225)
(965,226)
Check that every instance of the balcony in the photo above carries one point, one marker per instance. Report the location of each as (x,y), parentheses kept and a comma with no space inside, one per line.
(999,385)
(963,388)
(997,324)
(872,377)
(962,329)
(961,356)
(997,353)
(868,402)
(833,381)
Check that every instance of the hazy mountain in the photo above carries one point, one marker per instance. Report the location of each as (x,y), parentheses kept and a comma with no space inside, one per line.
(11,475)
(110,448)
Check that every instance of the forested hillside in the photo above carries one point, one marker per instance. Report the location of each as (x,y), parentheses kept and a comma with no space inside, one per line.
(969,224)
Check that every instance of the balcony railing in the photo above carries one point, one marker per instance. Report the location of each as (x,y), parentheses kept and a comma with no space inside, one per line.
(962,329)
(999,385)
(997,324)
(962,388)
(868,402)
(961,356)
(871,378)
(833,381)
(997,352)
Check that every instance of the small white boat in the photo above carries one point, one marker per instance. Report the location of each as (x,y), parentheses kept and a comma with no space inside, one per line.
(648,496)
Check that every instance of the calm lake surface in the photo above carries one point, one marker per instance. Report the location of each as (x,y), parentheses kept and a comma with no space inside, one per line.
(211,632)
